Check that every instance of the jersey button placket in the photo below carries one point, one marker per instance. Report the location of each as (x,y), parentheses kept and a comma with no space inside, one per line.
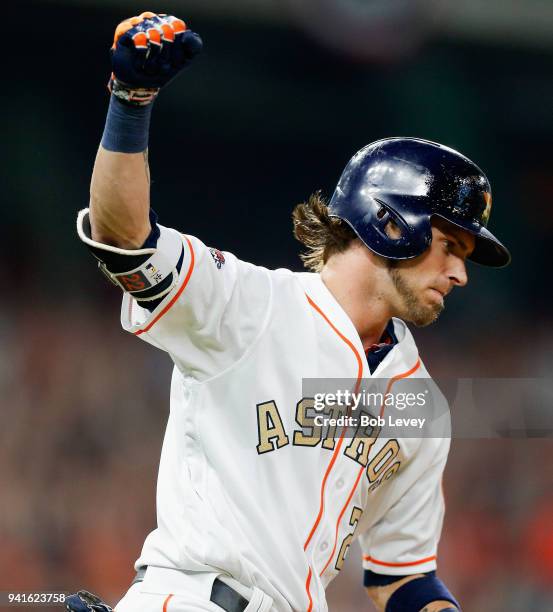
(325,534)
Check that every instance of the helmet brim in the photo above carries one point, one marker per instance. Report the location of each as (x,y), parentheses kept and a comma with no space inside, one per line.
(488,250)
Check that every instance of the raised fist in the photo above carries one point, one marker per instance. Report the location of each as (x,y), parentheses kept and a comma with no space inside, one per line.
(150,50)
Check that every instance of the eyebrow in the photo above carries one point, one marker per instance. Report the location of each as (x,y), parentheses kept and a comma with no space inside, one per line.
(460,242)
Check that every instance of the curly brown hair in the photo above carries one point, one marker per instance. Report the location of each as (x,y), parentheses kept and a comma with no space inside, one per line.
(321,234)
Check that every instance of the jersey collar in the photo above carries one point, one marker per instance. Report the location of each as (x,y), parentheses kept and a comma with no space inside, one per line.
(396,330)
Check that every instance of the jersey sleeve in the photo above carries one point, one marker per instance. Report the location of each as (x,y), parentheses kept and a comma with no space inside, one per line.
(405,540)
(203,307)
(215,310)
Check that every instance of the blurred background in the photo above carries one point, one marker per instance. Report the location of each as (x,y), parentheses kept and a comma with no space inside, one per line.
(285,92)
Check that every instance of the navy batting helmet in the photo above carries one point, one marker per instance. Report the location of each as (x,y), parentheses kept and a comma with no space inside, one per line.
(409,180)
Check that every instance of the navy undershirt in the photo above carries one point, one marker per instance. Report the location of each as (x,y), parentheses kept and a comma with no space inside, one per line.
(376,353)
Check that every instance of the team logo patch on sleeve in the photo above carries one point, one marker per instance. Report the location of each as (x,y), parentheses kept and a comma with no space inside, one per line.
(218,257)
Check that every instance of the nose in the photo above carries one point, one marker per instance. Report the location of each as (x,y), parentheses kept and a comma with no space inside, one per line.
(457,271)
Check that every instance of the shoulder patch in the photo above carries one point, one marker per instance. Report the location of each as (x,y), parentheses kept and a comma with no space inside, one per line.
(218,257)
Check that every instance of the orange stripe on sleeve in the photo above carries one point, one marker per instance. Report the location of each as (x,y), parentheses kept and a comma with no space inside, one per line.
(408,564)
(166,602)
(177,294)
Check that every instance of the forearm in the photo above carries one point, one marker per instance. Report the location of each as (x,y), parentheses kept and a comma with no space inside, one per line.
(148,51)
(120,198)
(120,186)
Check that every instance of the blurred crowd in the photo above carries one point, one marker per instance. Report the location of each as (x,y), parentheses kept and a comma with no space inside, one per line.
(84,406)
(83,414)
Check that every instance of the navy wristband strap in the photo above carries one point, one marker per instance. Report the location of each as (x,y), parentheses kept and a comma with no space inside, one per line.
(127,127)
(414,595)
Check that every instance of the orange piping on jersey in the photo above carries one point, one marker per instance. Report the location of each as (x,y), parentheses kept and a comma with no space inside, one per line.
(340,518)
(408,564)
(307,583)
(166,602)
(399,377)
(339,445)
(342,337)
(177,294)
(389,386)
(337,450)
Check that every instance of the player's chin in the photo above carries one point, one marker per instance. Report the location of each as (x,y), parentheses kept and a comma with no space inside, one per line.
(426,315)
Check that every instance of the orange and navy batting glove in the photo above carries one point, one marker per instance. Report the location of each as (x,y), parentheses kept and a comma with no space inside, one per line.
(148,52)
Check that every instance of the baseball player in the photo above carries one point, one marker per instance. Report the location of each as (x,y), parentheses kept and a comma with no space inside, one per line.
(257,506)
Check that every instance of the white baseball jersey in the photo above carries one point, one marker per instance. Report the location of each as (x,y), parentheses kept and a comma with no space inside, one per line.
(242,488)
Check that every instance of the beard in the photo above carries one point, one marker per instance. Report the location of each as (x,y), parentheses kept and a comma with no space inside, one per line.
(414,310)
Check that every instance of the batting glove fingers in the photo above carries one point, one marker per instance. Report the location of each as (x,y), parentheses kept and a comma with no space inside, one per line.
(150,50)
